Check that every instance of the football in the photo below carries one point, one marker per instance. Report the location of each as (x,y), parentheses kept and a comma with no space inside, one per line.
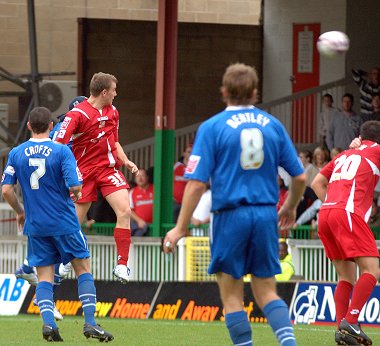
(332,43)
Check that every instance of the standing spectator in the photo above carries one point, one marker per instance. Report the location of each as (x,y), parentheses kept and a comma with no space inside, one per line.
(346,185)
(367,87)
(320,158)
(344,126)
(325,117)
(141,200)
(311,171)
(286,262)
(229,149)
(94,125)
(47,172)
(180,181)
(375,115)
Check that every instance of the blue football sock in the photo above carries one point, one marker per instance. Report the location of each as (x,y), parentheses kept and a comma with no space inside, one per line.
(239,328)
(277,314)
(87,296)
(44,295)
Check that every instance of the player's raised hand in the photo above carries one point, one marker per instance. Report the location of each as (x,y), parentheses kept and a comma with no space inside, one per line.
(356,143)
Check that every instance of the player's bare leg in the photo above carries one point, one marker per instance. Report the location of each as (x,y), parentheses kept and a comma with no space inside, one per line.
(82,210)
(119,202)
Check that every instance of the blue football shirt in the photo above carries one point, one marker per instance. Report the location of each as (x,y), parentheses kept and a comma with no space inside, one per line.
(239,151)
(45,171)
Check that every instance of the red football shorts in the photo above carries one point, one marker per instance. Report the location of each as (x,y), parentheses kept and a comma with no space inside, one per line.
(345,235)
(108,180)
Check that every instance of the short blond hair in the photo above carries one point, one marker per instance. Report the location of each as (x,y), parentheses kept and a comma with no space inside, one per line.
(239,82)
(101,81)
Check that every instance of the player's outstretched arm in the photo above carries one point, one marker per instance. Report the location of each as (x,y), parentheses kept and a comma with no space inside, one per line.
(123,157)
(193,193)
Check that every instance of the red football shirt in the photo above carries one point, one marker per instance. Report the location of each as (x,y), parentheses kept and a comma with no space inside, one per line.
(353,176)
(141,201)
(94,135)
(179,182)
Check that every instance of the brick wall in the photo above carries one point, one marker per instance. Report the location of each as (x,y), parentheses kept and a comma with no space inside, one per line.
(56,27)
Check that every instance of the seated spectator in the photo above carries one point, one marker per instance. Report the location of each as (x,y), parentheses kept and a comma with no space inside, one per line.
(100,211)
(344,126)
(369,84)
(334,152)
(311,171)
(141,201)
(325,117)
(286,262)
(179,180)
(375,115)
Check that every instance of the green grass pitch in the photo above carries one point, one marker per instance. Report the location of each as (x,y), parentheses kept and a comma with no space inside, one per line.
(26,330)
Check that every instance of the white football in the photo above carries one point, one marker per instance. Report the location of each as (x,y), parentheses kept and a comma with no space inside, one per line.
(332,43)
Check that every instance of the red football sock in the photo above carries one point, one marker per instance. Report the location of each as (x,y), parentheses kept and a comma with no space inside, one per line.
(123,241)
(362,290)
(342,299)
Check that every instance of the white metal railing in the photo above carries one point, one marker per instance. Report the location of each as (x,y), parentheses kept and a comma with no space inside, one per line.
(147,262)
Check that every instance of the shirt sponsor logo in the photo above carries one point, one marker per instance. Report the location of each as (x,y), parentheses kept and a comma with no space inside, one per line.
(65,123)
(192,164)
(10,170)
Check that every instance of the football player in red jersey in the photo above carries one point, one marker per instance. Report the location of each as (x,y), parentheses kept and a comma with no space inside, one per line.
(93,124)
(346,185)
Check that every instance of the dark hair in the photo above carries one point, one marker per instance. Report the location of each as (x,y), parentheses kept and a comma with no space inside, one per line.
(40,119)
(350,96)
(370,130)
(329,96)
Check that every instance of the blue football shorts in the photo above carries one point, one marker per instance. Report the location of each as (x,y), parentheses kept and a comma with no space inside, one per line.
(44,251)
(245,241)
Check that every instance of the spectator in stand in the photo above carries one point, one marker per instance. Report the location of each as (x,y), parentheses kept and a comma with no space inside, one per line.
(286,262)
(100,211)
(320,158)
(325,117)
(202,214)
(344,126)
(367,87)
(374,219)
(375,115)
(335,152)
(311,171)
(283,192)
(180,181)
(141,200)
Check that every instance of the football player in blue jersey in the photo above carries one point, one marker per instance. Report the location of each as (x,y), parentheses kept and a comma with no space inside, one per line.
(27,272)
(239,151)
(47,173)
